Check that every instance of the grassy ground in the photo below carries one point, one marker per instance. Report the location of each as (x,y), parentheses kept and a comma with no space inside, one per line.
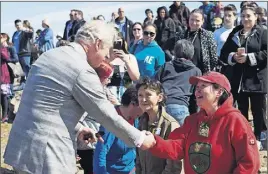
(6,169)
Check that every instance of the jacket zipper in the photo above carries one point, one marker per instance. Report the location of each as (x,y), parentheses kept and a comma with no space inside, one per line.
(243,68)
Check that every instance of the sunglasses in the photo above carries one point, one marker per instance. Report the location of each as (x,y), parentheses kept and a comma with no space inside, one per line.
(134,29)
(148,33)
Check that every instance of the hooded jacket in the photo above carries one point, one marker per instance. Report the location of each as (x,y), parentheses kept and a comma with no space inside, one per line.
(174,77)
(230,146)
(150,58)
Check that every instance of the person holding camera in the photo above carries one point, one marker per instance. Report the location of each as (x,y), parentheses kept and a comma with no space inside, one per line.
(126,68)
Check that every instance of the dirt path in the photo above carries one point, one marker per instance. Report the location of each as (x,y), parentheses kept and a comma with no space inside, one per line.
(6,169)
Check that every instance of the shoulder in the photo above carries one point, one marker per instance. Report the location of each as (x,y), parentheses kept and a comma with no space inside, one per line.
(218,31)
(207,33)
(167,117)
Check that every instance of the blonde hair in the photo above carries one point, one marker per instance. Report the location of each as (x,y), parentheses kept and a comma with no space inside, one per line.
(97,29)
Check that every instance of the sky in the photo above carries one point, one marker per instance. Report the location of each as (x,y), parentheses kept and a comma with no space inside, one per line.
(58,12)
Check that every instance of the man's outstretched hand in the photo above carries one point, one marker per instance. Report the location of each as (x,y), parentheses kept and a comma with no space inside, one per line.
(149,141)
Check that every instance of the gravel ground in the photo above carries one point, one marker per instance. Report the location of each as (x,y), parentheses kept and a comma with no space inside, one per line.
(6,169)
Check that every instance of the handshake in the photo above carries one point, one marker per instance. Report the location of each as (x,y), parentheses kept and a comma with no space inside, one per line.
(88,136)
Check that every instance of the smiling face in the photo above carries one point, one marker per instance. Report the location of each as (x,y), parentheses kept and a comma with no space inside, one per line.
(149,99)
(149,34)
(229,18)
(137,31)
(206,95)
(162,13)
(248,18)
(196,21)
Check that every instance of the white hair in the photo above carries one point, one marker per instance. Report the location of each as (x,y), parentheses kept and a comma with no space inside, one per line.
(96,29)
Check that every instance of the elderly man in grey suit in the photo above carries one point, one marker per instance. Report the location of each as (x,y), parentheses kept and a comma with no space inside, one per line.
(61,86)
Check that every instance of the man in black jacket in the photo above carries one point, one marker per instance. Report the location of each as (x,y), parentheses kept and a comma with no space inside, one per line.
(69,25)
(180,14)
(124,25)
(78,23)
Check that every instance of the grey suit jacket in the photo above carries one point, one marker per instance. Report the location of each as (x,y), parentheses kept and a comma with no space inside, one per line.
(60,87)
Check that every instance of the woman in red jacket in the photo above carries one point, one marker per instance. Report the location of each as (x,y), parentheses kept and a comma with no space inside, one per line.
(217,139)
(5,76)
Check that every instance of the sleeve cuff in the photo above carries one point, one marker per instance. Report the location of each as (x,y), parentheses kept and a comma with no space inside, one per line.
(230,57)
(139,141)
(78,128)
(252,59)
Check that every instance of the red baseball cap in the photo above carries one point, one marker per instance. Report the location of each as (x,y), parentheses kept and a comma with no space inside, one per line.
(212,77)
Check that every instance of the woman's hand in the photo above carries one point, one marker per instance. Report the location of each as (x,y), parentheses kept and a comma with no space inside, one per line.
(240,58)
(121,55)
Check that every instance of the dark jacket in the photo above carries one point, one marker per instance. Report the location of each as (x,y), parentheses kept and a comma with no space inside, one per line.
(180,14)
(128,29)
(174,76)
(66,34)
(25,43)
(165,28)
(250,76)
(76,26)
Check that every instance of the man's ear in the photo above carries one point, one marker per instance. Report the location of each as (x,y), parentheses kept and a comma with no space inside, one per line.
(98,44)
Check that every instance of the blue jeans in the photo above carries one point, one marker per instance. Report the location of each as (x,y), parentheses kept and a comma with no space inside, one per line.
(25,62)
(179,112)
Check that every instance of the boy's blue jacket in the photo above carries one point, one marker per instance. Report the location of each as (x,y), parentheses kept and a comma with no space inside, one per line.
(113,156)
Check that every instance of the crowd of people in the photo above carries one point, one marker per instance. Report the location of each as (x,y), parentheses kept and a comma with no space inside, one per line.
(167,95)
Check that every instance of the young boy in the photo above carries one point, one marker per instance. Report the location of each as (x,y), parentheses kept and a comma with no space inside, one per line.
(114,156)
(221,34)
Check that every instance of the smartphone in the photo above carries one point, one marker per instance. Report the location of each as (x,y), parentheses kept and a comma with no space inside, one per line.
(99,134)
(118,45)
(241,51)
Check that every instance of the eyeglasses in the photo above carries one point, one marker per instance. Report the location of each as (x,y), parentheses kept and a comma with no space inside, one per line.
(134,29)
(148,33)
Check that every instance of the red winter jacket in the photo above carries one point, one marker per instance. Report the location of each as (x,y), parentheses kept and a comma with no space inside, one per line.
(229,148)
(5,76)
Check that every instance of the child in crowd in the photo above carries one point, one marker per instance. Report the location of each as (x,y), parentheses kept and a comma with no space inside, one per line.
(114,156)
(154,119)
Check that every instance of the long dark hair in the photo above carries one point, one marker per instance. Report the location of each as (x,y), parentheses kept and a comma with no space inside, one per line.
(8,38)
(166,12)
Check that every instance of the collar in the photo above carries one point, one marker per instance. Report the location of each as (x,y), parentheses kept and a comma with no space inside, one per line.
(78,48)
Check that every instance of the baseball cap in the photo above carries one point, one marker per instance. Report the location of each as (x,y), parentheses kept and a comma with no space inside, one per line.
(212,77)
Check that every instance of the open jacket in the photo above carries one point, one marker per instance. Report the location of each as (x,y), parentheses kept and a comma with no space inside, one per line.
(250,76)
(209,49)
(228,147)
(128,29)
(25,41)
(146,163)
